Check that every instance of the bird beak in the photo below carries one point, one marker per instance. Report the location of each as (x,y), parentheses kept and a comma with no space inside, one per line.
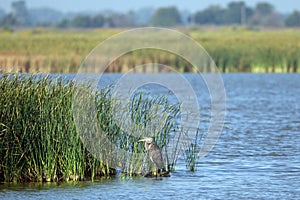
(142,140)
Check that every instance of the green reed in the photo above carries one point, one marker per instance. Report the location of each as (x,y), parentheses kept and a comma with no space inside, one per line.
(233,49)
(39,140)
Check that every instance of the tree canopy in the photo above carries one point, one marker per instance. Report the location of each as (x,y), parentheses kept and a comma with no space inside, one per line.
(167,16)
(293,20)
(235,13)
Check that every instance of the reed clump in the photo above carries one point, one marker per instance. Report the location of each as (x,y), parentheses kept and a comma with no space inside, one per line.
(39,140)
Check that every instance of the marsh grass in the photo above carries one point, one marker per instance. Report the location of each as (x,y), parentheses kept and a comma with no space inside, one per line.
(232,49)
(39,141)
(191,155)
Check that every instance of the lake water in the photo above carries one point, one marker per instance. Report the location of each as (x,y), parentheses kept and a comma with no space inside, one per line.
(257,155)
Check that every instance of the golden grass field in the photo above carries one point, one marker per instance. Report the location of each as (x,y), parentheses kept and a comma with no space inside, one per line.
(234,49)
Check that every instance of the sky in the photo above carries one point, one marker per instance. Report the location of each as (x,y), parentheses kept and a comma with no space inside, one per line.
(283,6)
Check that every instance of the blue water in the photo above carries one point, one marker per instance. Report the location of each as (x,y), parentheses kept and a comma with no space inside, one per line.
(257,155)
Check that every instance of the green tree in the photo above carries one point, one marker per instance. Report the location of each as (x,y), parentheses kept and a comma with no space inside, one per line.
(63,23)
(8,20)
(119,20)
(20,13)
(98,20)
(264,9)
(293,20)
(82,21)
(211,15)
(265,15)
(167,16)
(235,12)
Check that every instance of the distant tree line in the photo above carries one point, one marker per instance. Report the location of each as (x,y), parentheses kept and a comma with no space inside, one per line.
(237,13)
(263,14)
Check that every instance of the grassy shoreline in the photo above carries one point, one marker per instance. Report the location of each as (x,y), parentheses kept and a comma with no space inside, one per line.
(39,140)
(232,49)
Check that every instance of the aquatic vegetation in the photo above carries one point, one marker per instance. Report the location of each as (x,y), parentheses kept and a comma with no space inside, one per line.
(39,140)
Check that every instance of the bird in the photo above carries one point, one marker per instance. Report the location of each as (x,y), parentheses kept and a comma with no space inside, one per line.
(155,154)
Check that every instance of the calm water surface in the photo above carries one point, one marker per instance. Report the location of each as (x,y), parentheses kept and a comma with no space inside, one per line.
(256,157)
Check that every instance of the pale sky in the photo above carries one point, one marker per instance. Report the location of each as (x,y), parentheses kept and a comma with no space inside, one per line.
(125,5)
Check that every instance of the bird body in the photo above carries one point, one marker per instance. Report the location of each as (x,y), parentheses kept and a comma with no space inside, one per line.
(155,156)
(153,152)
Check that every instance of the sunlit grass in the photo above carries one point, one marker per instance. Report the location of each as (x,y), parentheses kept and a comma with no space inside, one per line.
(232,49)
(39,140)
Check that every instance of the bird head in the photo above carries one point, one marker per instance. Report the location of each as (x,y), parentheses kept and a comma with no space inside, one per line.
(147,140)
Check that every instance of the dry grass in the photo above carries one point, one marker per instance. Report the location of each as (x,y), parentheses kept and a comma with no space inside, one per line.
(232,49)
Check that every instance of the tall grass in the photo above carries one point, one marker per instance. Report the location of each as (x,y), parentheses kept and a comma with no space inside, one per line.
(39,140)
(232,49)
(42,50)
(243,50)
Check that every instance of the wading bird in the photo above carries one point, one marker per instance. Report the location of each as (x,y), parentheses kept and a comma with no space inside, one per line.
(155,155)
